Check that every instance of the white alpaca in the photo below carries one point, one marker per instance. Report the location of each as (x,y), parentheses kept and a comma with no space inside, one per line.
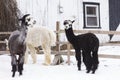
(39,36)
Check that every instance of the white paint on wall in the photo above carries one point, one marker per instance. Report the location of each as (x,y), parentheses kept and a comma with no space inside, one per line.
(46,13)
(37,8)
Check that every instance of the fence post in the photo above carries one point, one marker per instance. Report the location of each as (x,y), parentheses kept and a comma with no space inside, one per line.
(68,53)
(58,40)
(57,36)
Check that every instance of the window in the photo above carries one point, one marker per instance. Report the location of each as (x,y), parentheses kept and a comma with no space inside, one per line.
(91,15)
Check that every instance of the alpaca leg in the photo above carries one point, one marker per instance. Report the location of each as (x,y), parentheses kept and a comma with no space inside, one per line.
(14,64)
(84,59)
(47,57)
(14,69)
(47,52)
(20,64)
(20,68)
(33,53)
(26,55)
(78,58)
(88,61)
(95,61)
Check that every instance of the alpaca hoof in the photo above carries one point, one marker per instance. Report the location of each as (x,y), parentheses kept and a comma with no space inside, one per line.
(46,64)
(93,72)
(34,62)
(13,75)
(79,69)
(88,71)
(20,73)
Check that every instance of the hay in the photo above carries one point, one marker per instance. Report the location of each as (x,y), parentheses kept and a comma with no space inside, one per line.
(9,15)
(9,18)
(57,59)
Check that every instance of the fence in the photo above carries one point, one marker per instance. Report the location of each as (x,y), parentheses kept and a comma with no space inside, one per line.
(69,52)
(4,33)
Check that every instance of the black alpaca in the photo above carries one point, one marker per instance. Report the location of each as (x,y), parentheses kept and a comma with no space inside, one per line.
(87,44)
(17,46)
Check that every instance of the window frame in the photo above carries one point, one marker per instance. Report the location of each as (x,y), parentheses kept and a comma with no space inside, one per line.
(97,7)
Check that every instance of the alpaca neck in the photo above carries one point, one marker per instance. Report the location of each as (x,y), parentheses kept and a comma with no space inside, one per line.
(70,34)
(23,31)
(23,27)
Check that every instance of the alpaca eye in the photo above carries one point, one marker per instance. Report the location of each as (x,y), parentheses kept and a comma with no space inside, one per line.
(70,24)
(29,19)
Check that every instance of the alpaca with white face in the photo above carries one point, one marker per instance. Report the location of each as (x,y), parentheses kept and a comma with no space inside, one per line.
(17,46)
(39,36)
(87,43)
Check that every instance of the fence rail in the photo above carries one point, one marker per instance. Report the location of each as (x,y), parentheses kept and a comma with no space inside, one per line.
(68,52)
(5,32)
(58,31)
(93,31)
(2,42)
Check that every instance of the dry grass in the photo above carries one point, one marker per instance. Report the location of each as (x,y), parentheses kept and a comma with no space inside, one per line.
(9,14)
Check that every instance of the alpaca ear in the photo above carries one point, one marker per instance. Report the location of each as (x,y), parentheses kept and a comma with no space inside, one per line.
(34,22)
(73,21)
(65,22)
(20,19)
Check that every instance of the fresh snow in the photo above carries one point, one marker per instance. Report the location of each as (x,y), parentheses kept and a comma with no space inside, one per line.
(109,69)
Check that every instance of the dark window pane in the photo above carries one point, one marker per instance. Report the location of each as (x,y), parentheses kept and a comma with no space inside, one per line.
(91,10)
(92,21)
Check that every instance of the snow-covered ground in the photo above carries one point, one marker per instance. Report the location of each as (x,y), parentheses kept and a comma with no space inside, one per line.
(109,69)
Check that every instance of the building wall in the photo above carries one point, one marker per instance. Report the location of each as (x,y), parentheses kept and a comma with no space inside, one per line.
(37,9)
(114,10)
(74,10)
(47,12)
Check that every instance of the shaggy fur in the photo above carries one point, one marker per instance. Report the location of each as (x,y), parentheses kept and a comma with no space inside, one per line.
(17,46)
(87,43)
(40,36)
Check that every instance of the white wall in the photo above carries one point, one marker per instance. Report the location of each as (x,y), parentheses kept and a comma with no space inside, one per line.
(37,8)
(74,9)
(46,13)
(104,18)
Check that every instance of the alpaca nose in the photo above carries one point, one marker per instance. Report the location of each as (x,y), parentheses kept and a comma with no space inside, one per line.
(34,22)
(70,25)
